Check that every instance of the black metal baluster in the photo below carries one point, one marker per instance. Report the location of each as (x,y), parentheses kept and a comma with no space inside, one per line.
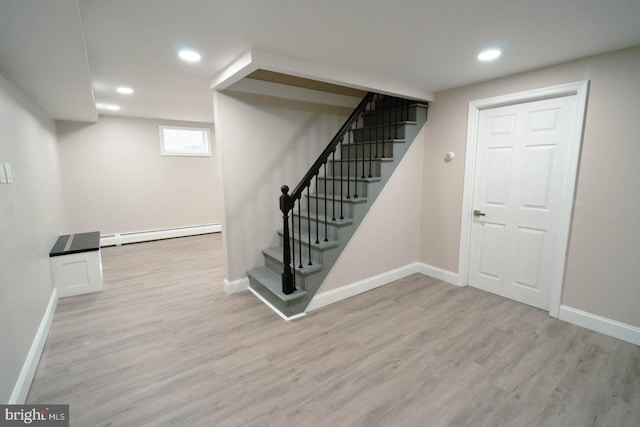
(397,114)
(317,222)
(293,240)
(300,235)
(363,143)
(355,168)
(385,126)
(341,186)
(406,104)
(372,140)
(309,220)
(377,126)
(325,202)
(406,110)
(348,164)
(333,186)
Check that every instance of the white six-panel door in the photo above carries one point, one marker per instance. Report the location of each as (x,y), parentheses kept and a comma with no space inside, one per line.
(522,161)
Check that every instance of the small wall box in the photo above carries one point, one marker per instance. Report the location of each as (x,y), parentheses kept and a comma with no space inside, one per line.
(77,264)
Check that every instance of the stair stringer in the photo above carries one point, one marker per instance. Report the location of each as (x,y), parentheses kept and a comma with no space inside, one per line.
(313,281)
(386,240)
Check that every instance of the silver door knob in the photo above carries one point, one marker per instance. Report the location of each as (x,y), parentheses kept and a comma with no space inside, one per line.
(476,212)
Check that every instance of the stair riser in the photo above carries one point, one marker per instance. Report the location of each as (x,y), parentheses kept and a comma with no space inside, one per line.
(276,266)
(333,232)
(390,103)
(393,115)
(354,168)
(378,133)
(268,295)
(335,187)
(316,254)
(332,205)
(347,208)
(353,151)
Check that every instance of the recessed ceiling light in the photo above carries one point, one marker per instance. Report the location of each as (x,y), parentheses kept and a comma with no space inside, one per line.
(189,55)
(489,55)
(125,90)
(109,107)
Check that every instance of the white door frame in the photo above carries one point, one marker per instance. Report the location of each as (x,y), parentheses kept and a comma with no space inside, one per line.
(559,256)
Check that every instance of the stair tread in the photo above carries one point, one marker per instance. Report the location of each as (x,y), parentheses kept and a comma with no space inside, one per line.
(344,199)
(366,159)
(273,282)
(323,219)
(275,252)
(400,107)
(386,141)
(400,122)
(305,239)
(351,178)
(411,104)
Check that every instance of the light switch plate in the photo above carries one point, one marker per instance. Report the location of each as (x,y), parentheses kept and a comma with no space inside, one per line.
(7,171)
(3,176)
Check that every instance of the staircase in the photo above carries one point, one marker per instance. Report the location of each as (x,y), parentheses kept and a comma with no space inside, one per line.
(323,212)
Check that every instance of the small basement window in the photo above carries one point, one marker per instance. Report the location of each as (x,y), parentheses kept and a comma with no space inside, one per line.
(183,141)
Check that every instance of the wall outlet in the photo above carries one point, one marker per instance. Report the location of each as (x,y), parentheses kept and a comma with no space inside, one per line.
(7,171)
(3,176)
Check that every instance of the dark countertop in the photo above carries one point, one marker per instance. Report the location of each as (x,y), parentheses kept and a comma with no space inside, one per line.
(81,242)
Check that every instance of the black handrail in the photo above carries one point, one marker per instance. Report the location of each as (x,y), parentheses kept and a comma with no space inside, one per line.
(287,201)
(306,180)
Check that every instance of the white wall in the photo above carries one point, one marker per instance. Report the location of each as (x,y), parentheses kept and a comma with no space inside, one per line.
(29,225)
(603,271)
(263,143)
(116,181)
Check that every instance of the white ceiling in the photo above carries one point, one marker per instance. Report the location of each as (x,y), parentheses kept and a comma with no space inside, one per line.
(428,44)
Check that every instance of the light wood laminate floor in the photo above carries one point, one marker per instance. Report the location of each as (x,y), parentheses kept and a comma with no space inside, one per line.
(163,345)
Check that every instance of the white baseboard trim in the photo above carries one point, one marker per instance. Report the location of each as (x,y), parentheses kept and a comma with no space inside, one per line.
(118,239)
(439,273)
(275,310)
(21,389)
(600,324)
(347,291)
(235,286)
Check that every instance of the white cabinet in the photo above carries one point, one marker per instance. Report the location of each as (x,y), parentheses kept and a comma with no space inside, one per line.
(76,264)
